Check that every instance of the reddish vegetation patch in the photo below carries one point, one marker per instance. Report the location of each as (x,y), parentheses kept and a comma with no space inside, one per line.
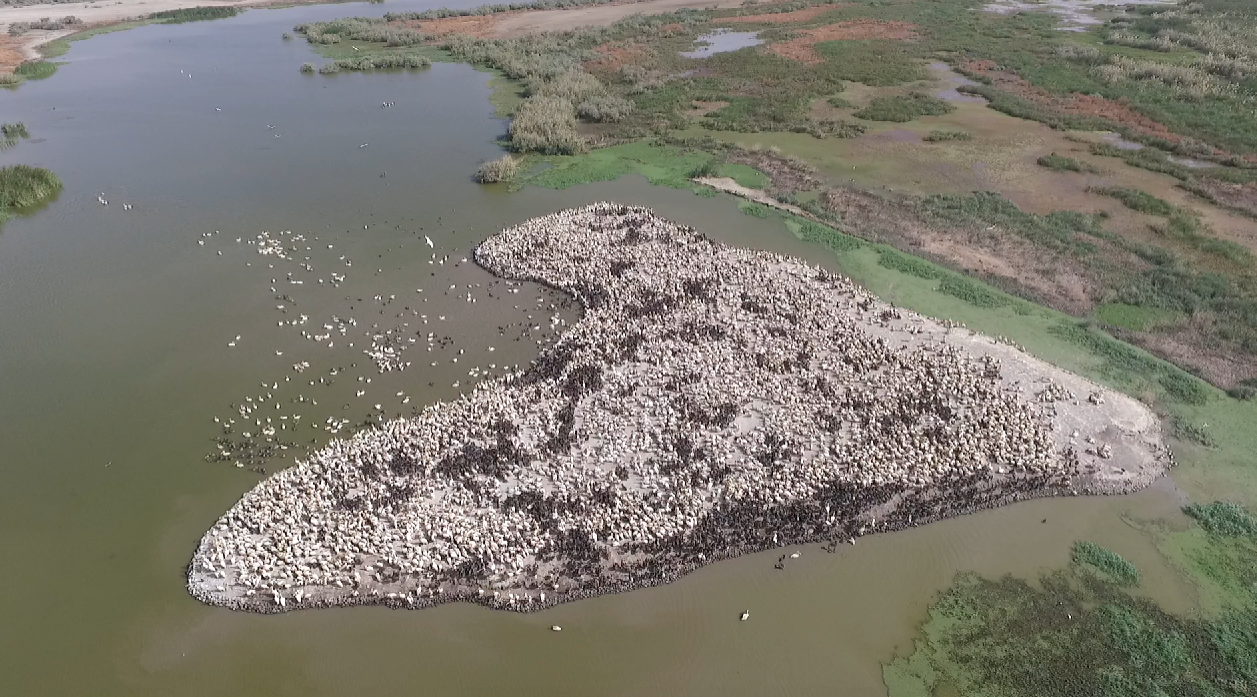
(801,48)
(613,55)
(1085,105)
(10,54)
(482,26)
(781,17)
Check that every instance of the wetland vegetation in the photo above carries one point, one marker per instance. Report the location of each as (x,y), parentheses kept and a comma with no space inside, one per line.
(23,186)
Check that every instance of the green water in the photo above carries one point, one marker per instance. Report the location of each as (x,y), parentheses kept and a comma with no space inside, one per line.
(114,361)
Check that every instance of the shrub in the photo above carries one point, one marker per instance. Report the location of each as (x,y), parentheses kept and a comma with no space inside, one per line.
(1138,200)
(941,136)
(35,70)
(604,109)
(710,168)
(383,61)
(329,68)
(1108,563)
(546,125)
(1060,163)
(905,108)
(500,170)
(195,14)
(307,68)
(23,185)
(10,79)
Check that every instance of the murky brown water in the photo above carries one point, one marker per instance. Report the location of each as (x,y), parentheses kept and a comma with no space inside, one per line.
(115,360)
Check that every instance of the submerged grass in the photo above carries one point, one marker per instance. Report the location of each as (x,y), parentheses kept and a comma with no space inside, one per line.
(1112,566)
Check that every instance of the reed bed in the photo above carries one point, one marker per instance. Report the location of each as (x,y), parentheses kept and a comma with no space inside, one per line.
(23,186)
(502,169)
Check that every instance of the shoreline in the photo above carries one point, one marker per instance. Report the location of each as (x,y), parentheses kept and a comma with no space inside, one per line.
(1128,455)
(15,50)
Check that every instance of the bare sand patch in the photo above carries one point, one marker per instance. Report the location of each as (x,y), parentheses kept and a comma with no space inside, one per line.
(531,22)
(803,49)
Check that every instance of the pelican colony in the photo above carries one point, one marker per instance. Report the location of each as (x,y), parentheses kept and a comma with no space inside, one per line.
(712,401)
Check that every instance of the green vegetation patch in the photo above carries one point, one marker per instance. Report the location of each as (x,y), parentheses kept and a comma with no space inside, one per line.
(873,63)
(755,210)
(669,166)
(195,14)
(1079,632)
(944,136)
(1100,560)
(1134,318)
(1223,518)
(1121,359)
(826,236)
(23,186)
(1140,201)
(1060,163)
(35,70)
(900,109)
(745,175)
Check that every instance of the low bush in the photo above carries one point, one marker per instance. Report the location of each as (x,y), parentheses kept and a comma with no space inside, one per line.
(943,136)
(546,125)
(500,170)
(904,108)
(195,14)
(22,186)
(307,68)
(1060,163)
(604,108)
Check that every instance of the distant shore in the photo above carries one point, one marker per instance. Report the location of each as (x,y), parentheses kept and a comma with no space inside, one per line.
(15,50)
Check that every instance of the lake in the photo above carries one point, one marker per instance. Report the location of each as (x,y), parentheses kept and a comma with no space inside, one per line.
(116,361)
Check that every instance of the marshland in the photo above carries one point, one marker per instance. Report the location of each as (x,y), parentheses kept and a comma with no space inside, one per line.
(221,265)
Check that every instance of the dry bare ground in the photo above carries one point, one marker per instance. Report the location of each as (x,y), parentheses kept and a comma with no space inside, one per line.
(14,50)
(801,48)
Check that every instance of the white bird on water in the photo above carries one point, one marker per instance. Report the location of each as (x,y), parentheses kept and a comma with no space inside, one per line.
(746,614)
(555,628)
(428,240)
(363,145)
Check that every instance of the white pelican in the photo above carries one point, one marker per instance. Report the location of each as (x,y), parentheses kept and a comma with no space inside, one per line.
(745,615)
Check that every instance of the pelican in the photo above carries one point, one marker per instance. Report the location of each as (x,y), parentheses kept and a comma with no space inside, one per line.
(555,628)
(746,614)
(362,146)
(218,108)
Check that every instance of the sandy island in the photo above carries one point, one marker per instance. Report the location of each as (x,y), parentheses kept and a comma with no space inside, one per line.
(710,402)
